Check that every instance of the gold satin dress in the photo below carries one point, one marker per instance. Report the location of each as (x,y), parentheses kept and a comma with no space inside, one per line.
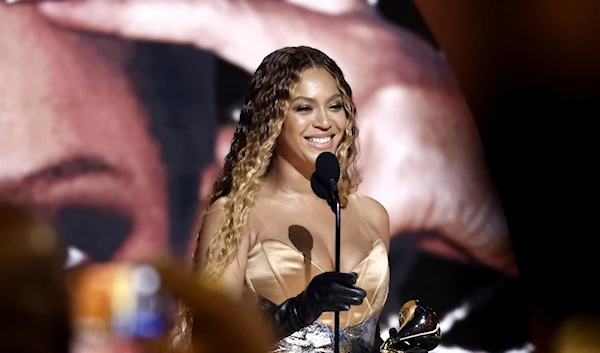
(276,272)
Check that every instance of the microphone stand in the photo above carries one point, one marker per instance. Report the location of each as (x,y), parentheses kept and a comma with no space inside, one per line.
(334,202)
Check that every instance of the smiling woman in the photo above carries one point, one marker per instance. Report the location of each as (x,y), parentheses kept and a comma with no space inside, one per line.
(268,236)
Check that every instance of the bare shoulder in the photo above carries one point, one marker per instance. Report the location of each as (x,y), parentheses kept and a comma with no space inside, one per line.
(215,211)
(211,223)
(375,214)
(211,220)
(232,279)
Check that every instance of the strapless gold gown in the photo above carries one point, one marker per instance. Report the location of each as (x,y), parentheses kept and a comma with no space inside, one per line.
(277,272)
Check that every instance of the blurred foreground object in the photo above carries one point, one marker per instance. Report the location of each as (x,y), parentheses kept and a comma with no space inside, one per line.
(34,311)
(121,307)
(221,325)
(419,330)
(578,335)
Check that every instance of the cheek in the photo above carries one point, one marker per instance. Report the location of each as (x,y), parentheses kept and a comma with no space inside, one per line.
(295,125)
(343,127)
(289,139)
(284,138)
(342,121)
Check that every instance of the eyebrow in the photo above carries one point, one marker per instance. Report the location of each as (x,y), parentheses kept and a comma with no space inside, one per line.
(64,169)
(337,95)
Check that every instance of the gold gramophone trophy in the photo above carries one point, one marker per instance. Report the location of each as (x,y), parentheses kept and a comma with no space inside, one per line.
(419,330)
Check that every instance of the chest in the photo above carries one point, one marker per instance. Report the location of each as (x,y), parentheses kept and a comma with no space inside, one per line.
(310,230)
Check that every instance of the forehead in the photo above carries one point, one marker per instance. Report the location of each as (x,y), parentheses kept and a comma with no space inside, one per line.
(315,82)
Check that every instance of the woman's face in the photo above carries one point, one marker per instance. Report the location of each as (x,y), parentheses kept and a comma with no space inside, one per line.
(74,141)
(315,121)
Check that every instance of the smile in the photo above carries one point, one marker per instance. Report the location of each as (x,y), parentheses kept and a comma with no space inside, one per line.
(319,141)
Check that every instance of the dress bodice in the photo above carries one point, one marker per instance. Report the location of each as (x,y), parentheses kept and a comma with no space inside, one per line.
(276,272)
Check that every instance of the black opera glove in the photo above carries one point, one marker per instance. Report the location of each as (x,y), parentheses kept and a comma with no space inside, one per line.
(329,291)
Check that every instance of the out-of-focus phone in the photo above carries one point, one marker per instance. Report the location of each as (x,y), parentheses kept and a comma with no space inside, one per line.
(119,305)
(130,308)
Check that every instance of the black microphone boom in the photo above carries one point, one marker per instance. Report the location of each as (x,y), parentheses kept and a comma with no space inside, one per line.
(324,184)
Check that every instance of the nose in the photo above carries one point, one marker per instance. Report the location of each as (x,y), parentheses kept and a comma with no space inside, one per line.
(322,120)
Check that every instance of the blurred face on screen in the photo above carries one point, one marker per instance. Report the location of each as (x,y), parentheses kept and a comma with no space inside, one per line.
(74,141)
(417,133)
(315,121)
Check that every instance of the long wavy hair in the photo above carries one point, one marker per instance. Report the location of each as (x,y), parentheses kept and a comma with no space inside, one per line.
(252,148)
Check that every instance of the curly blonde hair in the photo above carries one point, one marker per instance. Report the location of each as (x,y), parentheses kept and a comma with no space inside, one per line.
(252,148)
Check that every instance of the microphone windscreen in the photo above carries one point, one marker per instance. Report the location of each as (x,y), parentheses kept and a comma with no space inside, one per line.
(327,167)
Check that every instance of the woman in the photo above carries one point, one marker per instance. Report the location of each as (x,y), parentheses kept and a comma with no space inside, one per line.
(266,233)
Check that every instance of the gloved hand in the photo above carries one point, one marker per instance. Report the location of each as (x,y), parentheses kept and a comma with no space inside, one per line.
(329,291)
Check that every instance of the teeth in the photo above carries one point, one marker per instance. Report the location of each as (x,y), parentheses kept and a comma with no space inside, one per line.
(320,140)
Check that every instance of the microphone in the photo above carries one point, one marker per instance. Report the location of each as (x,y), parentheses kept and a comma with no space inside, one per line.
(325,178)
(324,184)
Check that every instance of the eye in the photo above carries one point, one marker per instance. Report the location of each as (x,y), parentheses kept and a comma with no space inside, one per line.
(303,109)
(336,106)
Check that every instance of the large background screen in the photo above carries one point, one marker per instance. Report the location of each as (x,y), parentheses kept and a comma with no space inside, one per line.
(116,126)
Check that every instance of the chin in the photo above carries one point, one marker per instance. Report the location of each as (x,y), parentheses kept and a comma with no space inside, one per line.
(313,155)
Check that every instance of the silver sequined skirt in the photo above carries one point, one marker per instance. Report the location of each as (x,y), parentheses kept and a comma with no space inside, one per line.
(318,338)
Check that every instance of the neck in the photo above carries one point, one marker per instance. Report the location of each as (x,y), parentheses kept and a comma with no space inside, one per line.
(284,177)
